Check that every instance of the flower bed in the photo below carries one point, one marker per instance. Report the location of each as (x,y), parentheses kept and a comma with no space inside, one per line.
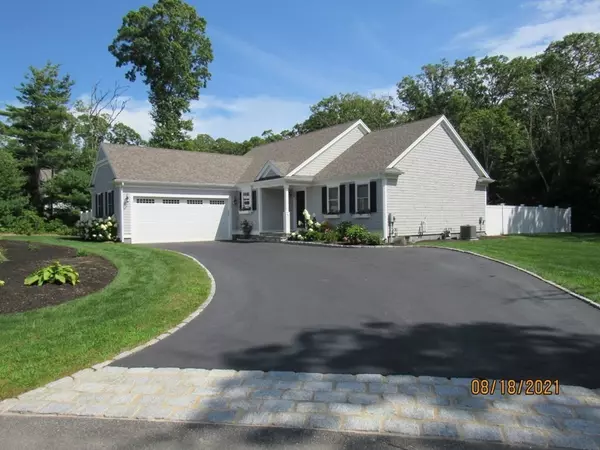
(345,233)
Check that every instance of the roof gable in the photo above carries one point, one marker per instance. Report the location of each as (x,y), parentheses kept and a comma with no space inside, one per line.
(462,146)
(374,152)
(293,151)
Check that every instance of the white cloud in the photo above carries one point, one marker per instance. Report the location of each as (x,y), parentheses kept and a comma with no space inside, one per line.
(236,119)
(554,20)
(475,31)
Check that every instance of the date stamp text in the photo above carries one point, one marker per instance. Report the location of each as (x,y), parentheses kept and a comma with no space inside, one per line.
(537,386)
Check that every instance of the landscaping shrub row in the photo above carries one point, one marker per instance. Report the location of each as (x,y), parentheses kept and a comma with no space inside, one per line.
(344,233)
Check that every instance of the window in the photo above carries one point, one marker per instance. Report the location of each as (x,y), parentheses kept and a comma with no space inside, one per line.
(144,200)
(170,201)
(110,203)
(246,203)
(100,206)
(333,200)
(362,199)
(217,202)
(194,202)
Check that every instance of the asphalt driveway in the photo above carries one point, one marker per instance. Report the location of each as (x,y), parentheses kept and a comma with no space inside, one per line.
(415,311)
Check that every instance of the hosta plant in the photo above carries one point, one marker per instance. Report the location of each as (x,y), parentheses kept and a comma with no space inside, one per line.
(56,273)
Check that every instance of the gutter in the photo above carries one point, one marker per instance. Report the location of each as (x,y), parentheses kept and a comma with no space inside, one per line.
(171,183)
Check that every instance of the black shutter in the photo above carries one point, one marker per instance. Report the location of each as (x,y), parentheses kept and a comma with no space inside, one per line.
(352,199)
(342,198)
(240,201)
(101,205)
(97,205)
(324,200)
(373,192)
(253,199)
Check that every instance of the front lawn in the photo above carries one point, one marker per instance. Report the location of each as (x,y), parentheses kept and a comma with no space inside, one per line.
(153,291)
(571,260)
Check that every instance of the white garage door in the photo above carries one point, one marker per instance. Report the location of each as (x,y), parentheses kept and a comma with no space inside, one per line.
(156,219)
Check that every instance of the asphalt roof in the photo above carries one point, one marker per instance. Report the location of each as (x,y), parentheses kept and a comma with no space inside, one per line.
(374,152)
(289,153)
(177,166)
(371,154)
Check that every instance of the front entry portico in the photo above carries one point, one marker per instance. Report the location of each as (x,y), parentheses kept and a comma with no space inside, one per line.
(280,208)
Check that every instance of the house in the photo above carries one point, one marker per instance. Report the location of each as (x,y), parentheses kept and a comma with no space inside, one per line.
(416,179)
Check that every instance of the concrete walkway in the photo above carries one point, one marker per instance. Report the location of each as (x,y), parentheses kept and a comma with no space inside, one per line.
(394,405)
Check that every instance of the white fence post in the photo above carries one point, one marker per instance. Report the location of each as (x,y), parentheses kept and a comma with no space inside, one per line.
(502,210)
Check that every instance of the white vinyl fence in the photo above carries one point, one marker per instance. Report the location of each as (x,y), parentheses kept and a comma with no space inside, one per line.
(507,219)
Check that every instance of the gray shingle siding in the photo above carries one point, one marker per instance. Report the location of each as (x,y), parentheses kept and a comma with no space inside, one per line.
(373,223)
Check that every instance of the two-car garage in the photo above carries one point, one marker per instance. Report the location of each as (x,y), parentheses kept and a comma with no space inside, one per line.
(177,219)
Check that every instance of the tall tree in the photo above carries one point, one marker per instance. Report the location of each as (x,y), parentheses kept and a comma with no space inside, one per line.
(375,112)
(12,182)
(166,44)
(41,125)
(125,135)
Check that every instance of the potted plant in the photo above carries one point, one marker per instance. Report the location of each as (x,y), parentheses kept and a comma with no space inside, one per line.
(246,228)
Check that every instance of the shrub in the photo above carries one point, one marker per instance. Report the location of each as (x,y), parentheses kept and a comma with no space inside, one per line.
(29,223)
(81,253)
(374,239)
(330,236)
(342,229)
(55,273)
(313,235)
(297,236)
(326,226)
(1,283)
(99,230)
(357,234)
(32,247)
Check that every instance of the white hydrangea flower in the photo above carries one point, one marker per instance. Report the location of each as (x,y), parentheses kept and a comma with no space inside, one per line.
(306,214)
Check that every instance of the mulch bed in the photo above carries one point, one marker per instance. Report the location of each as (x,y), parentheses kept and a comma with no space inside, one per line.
(94,271)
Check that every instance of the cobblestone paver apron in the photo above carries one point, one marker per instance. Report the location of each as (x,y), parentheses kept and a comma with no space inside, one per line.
(403,405)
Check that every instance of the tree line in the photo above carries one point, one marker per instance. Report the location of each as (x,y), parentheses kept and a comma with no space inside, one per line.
(533,122)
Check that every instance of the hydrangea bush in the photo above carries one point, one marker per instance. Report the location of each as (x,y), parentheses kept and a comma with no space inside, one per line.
(98,229)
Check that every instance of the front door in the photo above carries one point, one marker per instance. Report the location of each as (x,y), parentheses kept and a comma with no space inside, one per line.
(300,206)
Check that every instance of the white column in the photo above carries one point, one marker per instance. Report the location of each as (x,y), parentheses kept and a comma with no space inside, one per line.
(260,208)
(385,208)
(286,209)
(120,212)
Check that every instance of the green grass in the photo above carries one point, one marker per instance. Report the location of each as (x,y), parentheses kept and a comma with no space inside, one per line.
(571,260)
(153,291)
(2,256)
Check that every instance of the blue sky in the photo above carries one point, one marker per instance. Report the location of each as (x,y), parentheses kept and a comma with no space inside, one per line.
(273,59)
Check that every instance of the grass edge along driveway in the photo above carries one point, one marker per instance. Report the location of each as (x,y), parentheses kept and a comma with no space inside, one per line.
(570,260)
(153,291)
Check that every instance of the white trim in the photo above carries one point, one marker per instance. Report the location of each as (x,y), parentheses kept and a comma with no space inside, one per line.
(259,208)
(358,123)
(384,200)
(361,216)
(101,163)
(120,209)
(332,186)
(269,166)
(141,184)
(415,143)
(245,211)
(331,216)
(456,137)
(286,209)
(356,184)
